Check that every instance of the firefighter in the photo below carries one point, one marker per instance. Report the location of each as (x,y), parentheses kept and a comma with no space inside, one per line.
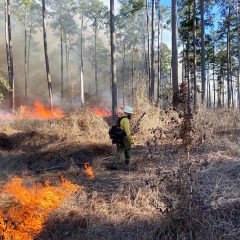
(127,141)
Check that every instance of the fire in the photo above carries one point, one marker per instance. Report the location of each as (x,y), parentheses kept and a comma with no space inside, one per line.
(38,112)
(101,112)
(89,171)
(32,205)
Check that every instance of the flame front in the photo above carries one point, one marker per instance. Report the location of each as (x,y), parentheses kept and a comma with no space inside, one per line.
(32,205)
(38,112)
(100,112)
(89,171)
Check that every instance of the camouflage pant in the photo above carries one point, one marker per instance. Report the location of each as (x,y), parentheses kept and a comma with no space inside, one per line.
(125,147)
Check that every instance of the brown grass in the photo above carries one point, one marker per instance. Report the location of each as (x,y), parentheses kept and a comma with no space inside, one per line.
(168,194)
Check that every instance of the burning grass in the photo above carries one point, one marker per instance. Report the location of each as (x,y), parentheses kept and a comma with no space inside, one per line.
(33,204)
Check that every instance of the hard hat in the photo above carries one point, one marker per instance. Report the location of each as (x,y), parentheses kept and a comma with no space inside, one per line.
(128,109)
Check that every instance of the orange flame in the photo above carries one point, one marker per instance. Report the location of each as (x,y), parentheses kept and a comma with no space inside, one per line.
(38,112)
(89,171)
(25,220)
(101,112)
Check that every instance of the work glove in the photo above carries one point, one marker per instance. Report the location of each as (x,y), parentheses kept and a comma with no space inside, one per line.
(131,140)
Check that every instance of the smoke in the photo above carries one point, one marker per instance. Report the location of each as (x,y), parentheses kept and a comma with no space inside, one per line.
(37,83)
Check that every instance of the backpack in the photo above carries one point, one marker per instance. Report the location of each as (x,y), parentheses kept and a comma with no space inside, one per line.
(116,133)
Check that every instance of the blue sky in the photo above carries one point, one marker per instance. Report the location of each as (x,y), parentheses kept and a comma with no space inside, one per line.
(166,34)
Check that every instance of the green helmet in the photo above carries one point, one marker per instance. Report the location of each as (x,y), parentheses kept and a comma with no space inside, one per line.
(128,109)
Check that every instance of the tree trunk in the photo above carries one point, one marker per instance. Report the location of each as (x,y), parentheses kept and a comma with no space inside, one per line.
(159,56)
(228,61)
(113,56)
(124,68)
(95,59)
(61,43)
(238,78)
(214,86)
(174,54)
(25,53)
(203,51)
(67,58)
(152,54)
(46,55)
(29,48)
(194,57)
(148,50)
(82,98)
(9,54)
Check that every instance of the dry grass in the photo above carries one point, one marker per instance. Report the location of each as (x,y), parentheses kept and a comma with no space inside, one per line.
(167,194)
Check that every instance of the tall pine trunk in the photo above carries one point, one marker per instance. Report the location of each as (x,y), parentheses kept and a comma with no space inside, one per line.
(148,51)
(238,78)
(152,85)
(49,81)
(95,58)
(82,99)
(203,50)
(25,53)
(159,55)
(174,54)
(228,61)
(9,54)
(194,57)
(113,61)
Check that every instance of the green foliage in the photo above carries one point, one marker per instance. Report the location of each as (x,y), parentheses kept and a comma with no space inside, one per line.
(4,85)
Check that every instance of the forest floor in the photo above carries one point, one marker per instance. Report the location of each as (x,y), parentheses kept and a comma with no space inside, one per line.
(168,193)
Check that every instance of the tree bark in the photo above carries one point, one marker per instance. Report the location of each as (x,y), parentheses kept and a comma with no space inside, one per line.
(174,54)
(159,56)
(25,53)
(148,50)
(82,98)
(152,85)
(9,54)
(203,51)
(49,81)
(194,57)
(113,56)
(228,61)
(95,59)
(238,78)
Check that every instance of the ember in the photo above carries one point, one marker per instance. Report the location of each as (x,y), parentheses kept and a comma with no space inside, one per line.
(32,205)
(89,171)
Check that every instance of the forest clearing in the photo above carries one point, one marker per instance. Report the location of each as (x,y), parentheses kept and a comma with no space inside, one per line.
(164,75)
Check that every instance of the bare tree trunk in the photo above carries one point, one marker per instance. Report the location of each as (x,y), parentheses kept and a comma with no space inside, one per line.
(228,61)
(174,54)
(214,85)
(95,58)
(46,55)
(152,85)
(29,48)
(61,43)
(113,56)
(124,68)
(238,78)
(203,51)
(159,56)
(82,99)
(194,57)
(25,53)
(67,59)
(9,54)
(148,50)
